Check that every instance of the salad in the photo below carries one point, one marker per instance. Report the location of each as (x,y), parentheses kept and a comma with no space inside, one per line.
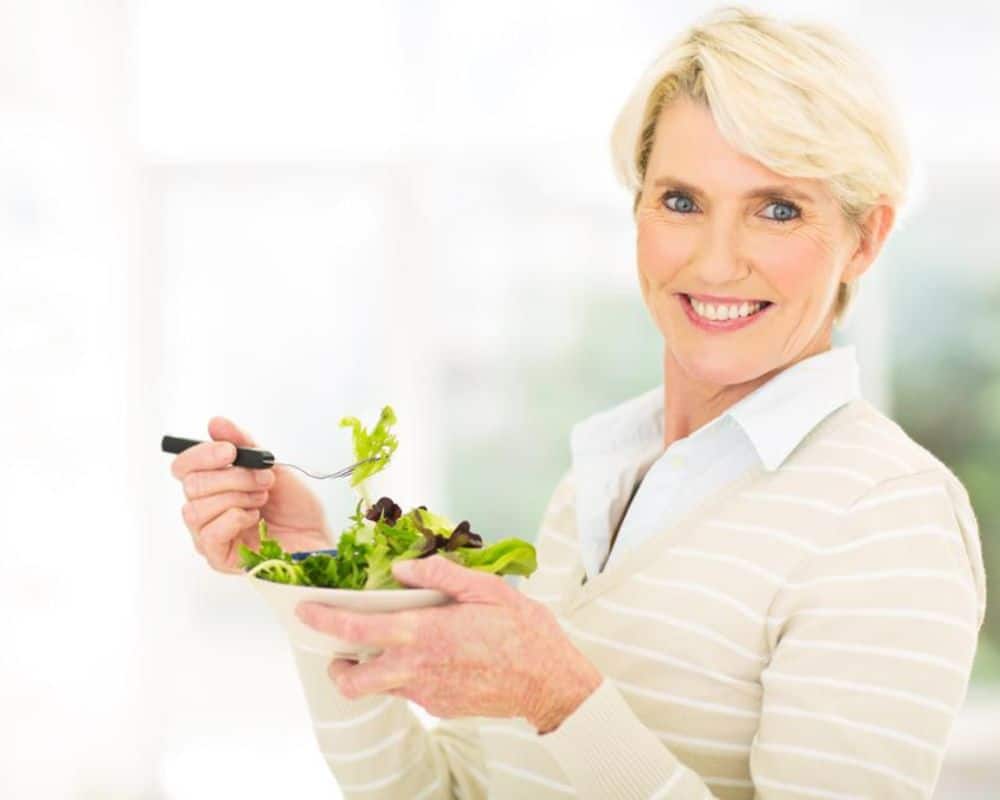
(381,533)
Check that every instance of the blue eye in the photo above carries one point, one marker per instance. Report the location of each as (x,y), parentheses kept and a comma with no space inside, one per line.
(785,211)
(686,204)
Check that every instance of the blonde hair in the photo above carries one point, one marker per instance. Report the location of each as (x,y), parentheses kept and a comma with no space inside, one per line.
(800,98)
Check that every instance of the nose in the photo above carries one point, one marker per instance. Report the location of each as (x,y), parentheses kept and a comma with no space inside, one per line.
(721,258)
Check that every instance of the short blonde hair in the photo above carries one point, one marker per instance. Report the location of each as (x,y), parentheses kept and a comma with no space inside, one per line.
(800,98)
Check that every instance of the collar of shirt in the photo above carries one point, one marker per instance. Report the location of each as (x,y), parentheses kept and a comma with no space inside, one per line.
(612,448)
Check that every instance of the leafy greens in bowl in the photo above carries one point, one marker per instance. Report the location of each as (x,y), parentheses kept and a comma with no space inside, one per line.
(357,574)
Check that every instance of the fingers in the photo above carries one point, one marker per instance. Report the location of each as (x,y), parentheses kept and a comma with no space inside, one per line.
(198,513)
(381,675)
(393,629)
(235,479)
(217,537)
(207,455)
(223,501)
(222,429)
(464,584)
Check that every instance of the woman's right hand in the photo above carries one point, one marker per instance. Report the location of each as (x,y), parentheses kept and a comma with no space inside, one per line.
(225,503)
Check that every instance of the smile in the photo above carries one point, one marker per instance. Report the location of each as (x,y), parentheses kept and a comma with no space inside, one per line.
(723,317)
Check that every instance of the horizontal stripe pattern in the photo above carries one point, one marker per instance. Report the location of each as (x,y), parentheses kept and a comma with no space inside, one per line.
(809,635)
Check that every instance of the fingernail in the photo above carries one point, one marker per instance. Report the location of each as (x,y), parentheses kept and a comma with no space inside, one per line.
(225,451)
(264,477)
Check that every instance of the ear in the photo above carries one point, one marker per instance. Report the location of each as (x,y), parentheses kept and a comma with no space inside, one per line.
(875,225)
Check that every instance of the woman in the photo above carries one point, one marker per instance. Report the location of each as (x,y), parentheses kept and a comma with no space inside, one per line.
(751,582)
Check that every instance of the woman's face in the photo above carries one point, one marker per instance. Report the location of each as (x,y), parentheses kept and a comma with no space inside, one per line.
(713,223)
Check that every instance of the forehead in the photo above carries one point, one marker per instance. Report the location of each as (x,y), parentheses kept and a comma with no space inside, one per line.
(688,145)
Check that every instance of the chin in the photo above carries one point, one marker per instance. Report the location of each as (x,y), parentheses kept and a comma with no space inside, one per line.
(719,366)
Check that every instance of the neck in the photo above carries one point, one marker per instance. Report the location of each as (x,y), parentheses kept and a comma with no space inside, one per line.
(689,404)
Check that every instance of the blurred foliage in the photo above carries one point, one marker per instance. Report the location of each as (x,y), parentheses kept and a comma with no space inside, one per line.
(944,325)
(947,397)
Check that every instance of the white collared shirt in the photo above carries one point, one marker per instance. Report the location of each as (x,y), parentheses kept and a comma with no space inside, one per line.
(614,449)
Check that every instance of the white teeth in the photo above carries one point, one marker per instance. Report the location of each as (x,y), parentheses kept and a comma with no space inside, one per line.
(723,313)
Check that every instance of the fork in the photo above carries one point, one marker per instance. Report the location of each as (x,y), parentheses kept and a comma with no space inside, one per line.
(253,458)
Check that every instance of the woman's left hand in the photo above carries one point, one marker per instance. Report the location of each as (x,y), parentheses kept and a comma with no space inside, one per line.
(492,653)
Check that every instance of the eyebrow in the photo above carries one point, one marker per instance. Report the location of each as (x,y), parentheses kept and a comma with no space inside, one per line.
(774,190)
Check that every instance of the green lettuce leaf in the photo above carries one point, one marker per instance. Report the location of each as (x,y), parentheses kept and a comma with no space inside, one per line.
(380,566)
(269,549)
(436,523)
(380,444)
(506,557)
(321,569)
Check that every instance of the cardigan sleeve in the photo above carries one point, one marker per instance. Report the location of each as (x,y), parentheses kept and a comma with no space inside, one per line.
(377,749)
(872,643)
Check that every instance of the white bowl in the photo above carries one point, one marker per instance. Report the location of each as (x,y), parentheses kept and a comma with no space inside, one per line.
(284,598)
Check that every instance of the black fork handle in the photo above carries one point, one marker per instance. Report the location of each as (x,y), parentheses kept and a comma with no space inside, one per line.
(245,456)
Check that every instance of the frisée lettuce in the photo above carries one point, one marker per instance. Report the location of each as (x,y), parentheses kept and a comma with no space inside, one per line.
(382,534)
(380,444)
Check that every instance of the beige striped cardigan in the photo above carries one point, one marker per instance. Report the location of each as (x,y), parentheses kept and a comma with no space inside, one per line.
(807,632)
